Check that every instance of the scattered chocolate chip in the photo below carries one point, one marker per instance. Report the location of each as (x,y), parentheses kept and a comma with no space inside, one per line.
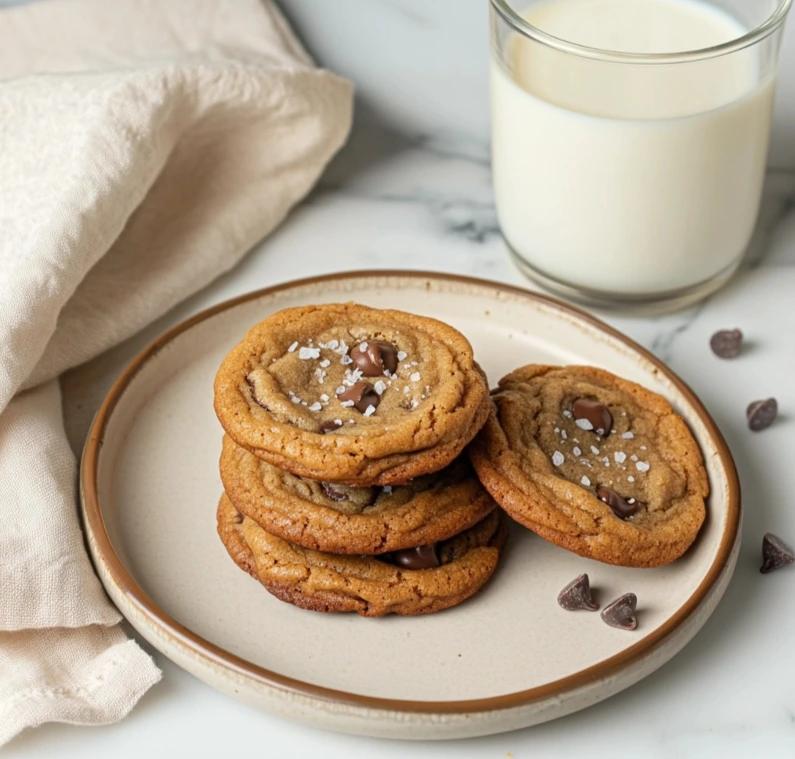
(595,413)
(421,557)
(362,394)
(329,426)
(775,553)
(761,414)
(577,595)
(726,343)
(622,508)
(334,492)
(621,612)
(375,358)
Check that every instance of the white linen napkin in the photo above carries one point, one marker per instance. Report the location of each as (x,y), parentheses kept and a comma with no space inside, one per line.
(145,146)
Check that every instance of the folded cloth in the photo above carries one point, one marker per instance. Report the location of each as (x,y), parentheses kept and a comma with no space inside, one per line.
(145,146)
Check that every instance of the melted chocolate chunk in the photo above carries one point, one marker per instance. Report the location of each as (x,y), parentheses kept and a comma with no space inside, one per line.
(334,492)
(595,413)
(577,595)
(761,414)
(363,395)
(775,553)
(329,427)
(622,508)
(621,613)
(375,358)
(726,343)
(421,557)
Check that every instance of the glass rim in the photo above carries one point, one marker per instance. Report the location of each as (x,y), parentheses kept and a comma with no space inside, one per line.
(765,29)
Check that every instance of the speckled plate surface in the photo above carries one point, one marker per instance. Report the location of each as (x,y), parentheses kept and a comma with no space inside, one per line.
(506,659)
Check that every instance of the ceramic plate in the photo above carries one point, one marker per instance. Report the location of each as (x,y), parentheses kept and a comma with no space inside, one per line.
(508,658)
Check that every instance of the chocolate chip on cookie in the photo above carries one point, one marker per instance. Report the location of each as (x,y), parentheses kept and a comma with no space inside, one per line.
(577,595)
(621,612)
(592,415)
(623,509)
(421,557)
(375,358)
(362,396)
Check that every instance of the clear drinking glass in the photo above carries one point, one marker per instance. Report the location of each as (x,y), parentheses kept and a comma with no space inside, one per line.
(624,179)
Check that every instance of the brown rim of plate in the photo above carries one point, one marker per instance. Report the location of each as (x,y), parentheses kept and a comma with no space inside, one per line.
(218,656)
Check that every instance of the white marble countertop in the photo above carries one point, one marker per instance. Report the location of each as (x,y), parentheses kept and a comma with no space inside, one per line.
(422,200)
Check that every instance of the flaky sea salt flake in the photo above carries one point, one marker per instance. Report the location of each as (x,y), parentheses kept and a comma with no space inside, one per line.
(583,424)
(585,481)
(401,355)
(558,458)
(414,376)
(369,411)
(379,387)
(627,435)
(642,466)
(292,348)
(305,353)
(316,406)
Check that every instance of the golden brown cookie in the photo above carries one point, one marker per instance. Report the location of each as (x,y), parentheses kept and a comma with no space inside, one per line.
(350,394)
(336,518)
(593,463)
(369,586)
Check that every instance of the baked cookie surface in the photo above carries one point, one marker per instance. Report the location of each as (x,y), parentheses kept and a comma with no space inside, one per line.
(351,394)
(332,517)
(366,585)
(593,463)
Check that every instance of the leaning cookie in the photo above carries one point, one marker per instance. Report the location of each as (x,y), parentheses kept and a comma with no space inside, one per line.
(350,394)
(593,463)
(330,517)
(421,581)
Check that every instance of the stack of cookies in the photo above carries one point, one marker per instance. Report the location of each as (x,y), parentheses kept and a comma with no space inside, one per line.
(345,484)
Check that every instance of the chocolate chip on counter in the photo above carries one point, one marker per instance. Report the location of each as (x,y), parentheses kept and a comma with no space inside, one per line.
(334,492)
(577,595)
(726,343)
(375,356)
(621,612)
(775,553)
(421,557)
(593,415)
(761,414)
(329,426)
(362,394)
(623,509)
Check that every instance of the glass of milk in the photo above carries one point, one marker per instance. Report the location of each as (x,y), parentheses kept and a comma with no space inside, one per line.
(629,142)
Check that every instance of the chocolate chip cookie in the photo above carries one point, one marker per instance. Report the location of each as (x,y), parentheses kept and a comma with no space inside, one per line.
(411,582)
(350,394)
(331,517)
(594,463)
